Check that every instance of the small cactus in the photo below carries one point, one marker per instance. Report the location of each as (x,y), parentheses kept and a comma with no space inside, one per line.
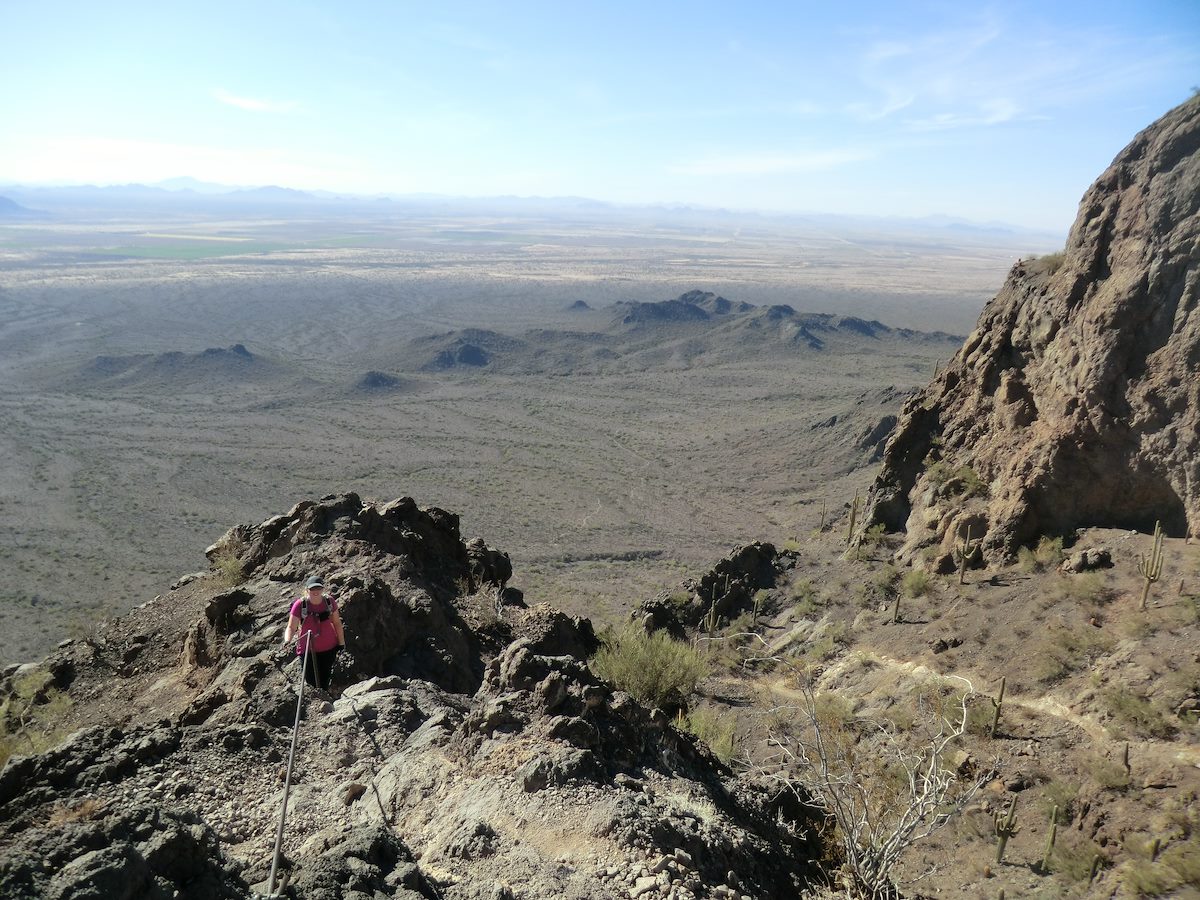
(853,519)
(711,619)
(1050,841)
(1005,827)
(965,551)
(1125,761)
(1151,567)
(997,702)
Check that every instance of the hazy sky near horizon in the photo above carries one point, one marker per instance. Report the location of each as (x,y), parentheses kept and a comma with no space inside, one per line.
(1002,111)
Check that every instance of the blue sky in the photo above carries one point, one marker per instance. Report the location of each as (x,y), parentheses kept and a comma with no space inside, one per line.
(1001,111)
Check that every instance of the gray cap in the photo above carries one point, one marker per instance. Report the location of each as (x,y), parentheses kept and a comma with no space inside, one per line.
(314,582)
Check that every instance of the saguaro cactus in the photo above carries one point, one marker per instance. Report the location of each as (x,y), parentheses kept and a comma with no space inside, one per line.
(1006,827)
(1151,567)
(966,549)
(1050,841)
(997,702)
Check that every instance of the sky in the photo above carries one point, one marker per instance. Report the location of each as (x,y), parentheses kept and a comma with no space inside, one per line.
(991,112)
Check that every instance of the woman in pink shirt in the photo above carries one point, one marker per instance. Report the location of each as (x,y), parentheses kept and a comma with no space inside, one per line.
(315,618)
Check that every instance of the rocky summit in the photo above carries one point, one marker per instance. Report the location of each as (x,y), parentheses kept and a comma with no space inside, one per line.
(1075,402)
(467,750)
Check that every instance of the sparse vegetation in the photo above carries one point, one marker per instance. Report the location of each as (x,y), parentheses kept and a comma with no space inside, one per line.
(1047,554)
(31,715)
(1048,263)
(654,668)
(716,727)
(915,583)
(1062,650)
(1135,714)
(228,568)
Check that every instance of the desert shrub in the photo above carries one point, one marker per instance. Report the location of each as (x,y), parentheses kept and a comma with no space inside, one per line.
(717,728)
(1047,553)
(1060,794)
(1183,857)
(1063,650)
(1143,878)
(979,716)
(228,568)
(1073,857)
(1135,713)
(805,597)
(1048,263)
(1087,587)
(915,583)
(654,668)
(31,715)
(1108,773)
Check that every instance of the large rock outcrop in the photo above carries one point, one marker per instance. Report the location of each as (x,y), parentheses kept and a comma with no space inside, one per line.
(1076,400)
(467,751)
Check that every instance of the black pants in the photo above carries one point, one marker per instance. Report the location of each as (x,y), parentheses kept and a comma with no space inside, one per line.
(319,670)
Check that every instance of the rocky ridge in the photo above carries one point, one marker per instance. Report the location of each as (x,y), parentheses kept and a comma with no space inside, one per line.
(1075,401)
(468,750)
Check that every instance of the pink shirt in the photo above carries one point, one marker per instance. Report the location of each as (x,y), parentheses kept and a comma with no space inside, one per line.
(323,635)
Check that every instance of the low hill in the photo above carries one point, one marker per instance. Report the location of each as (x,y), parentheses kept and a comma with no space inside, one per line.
(195,372)
(695,329)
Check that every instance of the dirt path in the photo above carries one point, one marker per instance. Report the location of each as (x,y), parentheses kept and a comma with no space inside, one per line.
(1044,705)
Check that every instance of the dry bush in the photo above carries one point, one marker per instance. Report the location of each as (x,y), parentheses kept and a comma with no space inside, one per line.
(1063,650)
(884,790)
(228,568)
(31,715)
(915,583)
(63,814)
(1136,714)
(1047,554)
(1047,264)
(653,668)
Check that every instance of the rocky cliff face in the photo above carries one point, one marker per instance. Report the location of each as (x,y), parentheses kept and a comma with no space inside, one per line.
(468,752)
(1076,400)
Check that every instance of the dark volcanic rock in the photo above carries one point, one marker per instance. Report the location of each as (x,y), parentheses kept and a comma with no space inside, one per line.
(119,852)
(1075,401)
(466,750)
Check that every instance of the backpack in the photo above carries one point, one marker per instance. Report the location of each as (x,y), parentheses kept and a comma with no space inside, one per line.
(322,616)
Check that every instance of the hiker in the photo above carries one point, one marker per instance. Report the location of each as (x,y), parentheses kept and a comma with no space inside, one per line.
(318,618)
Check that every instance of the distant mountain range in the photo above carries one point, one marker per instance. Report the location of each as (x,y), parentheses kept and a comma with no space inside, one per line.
(10,209)
(185,194)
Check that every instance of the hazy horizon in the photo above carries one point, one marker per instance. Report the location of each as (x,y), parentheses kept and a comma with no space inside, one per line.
(995,114)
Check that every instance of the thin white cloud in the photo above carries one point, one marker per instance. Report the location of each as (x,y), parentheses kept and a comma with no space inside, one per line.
(990,112)
(770,164)
(253,104)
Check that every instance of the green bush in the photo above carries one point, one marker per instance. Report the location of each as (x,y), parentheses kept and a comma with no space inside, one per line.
(31,716)
(229,569)
(653,668)
(915,583)
(717,728)
(1048,553)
